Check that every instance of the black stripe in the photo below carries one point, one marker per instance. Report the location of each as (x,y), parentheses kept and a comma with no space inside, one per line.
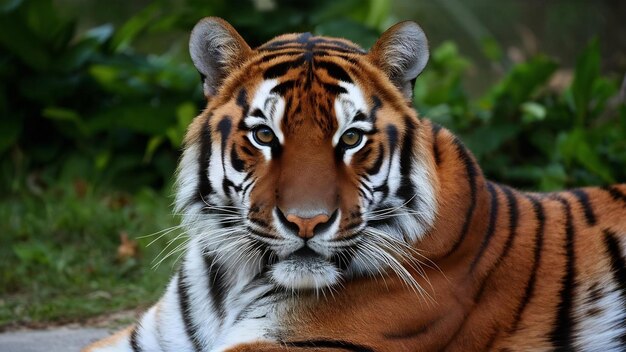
(378,163)
(247,187)
(247,151)
(242,101)
(406,190)
(217,285)
(332,43)
(530,286)
(436,128)
(472,174)
(376,105)
(491,227)
(282,68)
(183,299)
(204,185)
(237,163)
(359,116)
(258,113)
(134,343)
(511,201)
(274,54)
(262,234)
(334,89)
(512,204)
(309,42)
(616,194)
(512,208)
(338,344)
(315,47)
(255,303)
(259,222)
(366,186)
(365,152)
(283,87)
(224,127)
(340,48)
(583,199)
(335,71)
(618,266)
(562,334)
(392,136)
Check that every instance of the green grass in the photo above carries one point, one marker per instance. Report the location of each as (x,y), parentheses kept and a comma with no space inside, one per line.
(58,253)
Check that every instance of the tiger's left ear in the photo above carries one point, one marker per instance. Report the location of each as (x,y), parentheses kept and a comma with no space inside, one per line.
(216,49)
(402,53)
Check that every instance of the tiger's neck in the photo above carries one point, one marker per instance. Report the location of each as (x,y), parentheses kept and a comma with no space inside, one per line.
(463,197)
(460,243)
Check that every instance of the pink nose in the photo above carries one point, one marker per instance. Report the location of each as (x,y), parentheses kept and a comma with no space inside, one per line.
(307,225)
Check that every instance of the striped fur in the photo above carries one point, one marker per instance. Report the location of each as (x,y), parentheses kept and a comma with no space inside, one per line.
(416,251)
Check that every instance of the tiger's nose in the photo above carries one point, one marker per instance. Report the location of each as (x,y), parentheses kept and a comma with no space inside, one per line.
(306,226)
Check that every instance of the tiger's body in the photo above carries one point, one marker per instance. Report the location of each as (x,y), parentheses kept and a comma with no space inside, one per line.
(325,216)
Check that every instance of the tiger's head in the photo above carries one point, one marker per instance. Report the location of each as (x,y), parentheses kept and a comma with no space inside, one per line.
(306,165)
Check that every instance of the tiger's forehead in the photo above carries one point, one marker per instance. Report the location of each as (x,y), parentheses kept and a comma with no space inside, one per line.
(307,83)
(310,43)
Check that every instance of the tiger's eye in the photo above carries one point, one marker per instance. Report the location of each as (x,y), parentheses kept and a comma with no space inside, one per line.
(264,135)
(351,138)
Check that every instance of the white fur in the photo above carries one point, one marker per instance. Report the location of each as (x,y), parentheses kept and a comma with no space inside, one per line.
(305,274)
(600,332)
(273,107)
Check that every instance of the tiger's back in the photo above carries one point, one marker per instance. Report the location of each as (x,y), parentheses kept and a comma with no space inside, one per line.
(325,215)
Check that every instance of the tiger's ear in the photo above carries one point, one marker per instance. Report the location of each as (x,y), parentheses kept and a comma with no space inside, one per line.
(216,48)
(402,53)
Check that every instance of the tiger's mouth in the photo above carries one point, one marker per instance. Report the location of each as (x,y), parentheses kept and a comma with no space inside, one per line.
(306,269)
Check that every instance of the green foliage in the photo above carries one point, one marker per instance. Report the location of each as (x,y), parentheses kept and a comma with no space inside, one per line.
(80,106)
(526,133)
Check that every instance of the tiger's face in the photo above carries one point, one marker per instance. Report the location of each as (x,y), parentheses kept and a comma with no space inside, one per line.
(306,165)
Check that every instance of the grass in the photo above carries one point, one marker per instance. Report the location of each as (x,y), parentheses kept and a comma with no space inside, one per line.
(59,259)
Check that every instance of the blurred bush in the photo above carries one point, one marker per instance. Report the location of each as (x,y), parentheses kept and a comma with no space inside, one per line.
(87,105)
(524,131)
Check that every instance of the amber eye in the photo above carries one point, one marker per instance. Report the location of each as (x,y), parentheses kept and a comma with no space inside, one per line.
(264,135)
(351,138)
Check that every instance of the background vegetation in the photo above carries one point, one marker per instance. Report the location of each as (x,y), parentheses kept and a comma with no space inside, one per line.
(95,98)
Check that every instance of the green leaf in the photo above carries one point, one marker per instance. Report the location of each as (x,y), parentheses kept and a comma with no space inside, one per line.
(532,112)
(134,26)
(487,139)
(137,117)
(553,178)
(20,41)
(519,86)
(491,49)
(575,146)
(587,71)
(66,115)
(152,146)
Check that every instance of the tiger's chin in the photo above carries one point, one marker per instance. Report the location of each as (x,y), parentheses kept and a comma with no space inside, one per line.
(305,272)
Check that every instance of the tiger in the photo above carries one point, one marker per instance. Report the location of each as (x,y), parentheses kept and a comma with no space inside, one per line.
(324,214)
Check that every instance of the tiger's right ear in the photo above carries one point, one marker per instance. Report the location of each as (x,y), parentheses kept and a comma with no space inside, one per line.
(216,49)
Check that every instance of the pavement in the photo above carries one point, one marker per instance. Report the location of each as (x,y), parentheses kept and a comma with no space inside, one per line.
(53,340)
